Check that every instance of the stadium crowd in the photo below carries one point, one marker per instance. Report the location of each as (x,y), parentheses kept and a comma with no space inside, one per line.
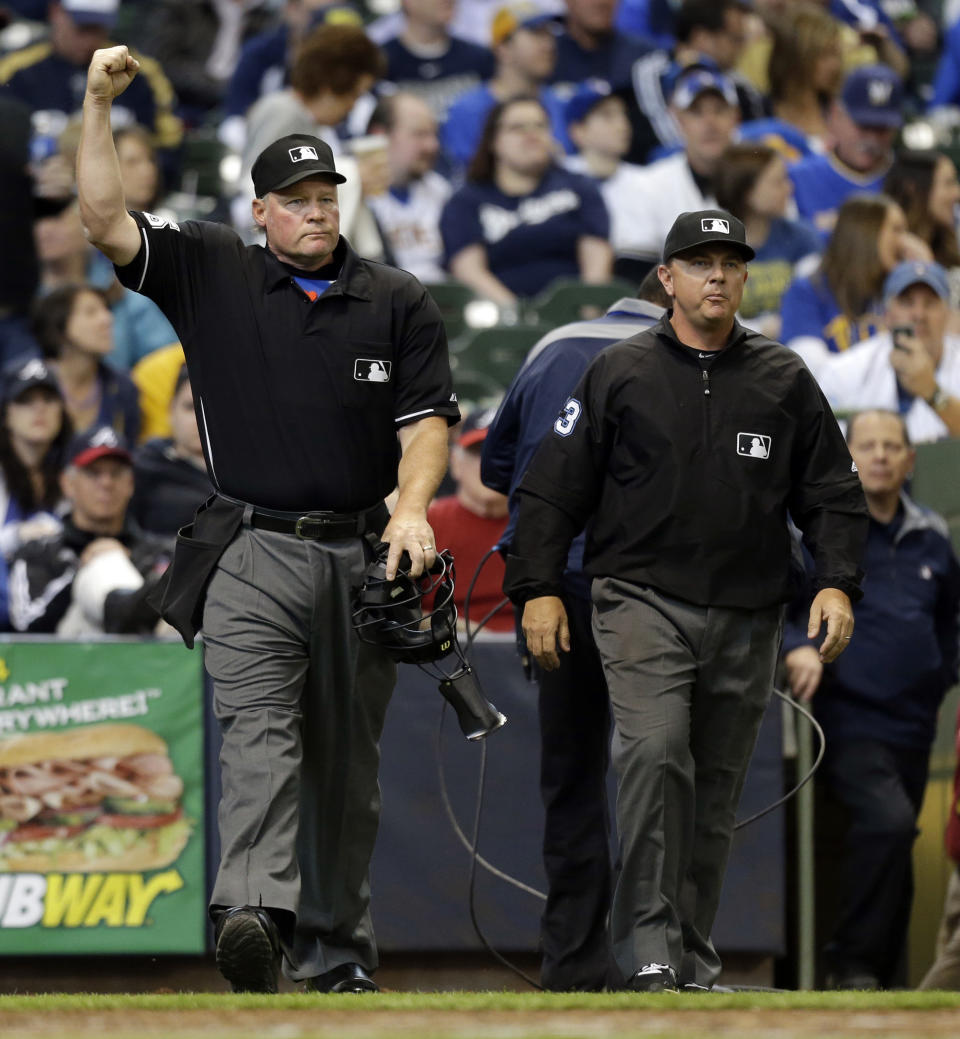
(498,147)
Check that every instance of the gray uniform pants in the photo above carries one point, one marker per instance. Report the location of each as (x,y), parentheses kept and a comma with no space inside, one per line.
(688,688)
(301,703)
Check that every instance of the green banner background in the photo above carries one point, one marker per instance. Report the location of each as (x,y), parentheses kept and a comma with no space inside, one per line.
(158,685)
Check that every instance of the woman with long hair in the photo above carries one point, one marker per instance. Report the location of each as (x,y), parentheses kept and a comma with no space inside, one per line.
(925,185)
(805,73)
(752,183)
(74,328)
(521,220)
(839,305)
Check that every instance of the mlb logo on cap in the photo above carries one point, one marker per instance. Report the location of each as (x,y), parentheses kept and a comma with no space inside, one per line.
(703,226)
(302,154)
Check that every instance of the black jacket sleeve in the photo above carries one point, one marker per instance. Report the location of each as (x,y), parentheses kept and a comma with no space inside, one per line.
(827,501)
(560,489)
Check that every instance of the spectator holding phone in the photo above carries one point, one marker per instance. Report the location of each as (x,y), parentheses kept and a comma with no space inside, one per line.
(912,369)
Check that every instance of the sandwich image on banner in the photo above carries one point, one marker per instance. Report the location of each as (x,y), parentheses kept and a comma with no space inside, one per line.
(91,799)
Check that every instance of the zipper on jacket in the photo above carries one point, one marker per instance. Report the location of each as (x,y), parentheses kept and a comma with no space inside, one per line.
(705,379)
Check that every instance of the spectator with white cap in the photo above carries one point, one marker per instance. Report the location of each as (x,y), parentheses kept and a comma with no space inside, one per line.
(912,369)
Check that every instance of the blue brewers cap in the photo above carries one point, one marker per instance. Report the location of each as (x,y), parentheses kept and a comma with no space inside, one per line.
(873,97)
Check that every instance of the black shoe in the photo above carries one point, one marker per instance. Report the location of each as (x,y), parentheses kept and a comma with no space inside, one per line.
(348,977)
(655,977)
(857,980)
(248,949)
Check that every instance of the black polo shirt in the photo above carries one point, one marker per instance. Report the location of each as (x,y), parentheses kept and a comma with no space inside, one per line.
(298,401)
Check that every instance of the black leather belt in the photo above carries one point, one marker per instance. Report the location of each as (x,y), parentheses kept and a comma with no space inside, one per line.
(320,526)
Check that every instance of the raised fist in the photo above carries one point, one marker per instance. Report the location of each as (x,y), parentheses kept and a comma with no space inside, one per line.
(111,72)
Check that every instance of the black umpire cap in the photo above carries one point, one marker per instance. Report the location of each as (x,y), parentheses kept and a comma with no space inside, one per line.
(706,226)
(290,159)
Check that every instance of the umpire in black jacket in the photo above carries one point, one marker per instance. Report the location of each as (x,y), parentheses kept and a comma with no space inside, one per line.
(682,450)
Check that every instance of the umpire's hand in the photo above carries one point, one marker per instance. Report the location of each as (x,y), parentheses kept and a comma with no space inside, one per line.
(833,607)
(111,71)
(546,629)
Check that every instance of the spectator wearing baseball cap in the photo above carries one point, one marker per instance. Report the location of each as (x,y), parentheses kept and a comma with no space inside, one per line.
(469,522)
(861,124)
(914,366)
(599,129)
(708,33)
(93,576)
(523,40)
(44,75)
(34,431)
(704,103)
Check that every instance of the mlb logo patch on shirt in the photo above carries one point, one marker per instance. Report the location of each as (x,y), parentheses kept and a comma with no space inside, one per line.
(753,445)
(367,369)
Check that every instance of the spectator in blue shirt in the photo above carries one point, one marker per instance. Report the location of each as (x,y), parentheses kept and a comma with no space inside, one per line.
(525,49)
(521,221)
(591,47)
(426,59)
(878,704)
(862,124)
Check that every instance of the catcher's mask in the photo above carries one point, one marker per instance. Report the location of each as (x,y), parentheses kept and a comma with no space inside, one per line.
(413,618)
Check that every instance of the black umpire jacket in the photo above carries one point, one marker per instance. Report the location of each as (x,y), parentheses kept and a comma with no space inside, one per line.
(684,475)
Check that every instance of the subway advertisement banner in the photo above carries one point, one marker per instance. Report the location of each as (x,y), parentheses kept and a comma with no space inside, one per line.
(101,798)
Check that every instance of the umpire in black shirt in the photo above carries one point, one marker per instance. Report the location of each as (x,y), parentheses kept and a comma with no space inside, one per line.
(682,450)
(308,364)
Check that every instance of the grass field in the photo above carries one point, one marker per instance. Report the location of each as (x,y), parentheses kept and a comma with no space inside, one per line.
(488,1015)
